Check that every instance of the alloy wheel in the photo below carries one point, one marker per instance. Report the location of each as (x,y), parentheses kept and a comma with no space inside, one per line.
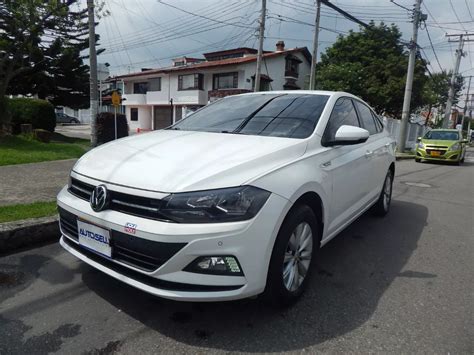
(297,256)
(387,191)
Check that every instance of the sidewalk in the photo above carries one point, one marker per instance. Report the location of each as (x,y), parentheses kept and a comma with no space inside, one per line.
(27,183)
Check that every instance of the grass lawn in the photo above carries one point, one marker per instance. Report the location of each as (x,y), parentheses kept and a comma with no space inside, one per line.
(32,210)
(21,150)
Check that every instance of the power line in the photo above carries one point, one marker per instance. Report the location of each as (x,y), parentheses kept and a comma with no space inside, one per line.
(204,17)
(197,27)
(469,10)
(176,23)
(432,48)
(456,14)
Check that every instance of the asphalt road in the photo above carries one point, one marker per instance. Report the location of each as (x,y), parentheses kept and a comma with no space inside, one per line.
(402,284)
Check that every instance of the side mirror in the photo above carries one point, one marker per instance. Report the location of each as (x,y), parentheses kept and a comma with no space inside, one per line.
(348,135)
(418,139)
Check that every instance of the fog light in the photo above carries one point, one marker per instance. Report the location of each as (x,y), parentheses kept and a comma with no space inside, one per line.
(215,265)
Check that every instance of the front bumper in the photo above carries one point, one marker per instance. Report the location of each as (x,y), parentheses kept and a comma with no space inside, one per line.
(251,242)
(446,155)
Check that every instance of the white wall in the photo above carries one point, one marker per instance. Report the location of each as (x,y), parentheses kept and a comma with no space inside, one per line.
(144,118)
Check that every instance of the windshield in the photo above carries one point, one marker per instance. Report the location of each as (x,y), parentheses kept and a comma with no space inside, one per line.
(442,135)
(275,115)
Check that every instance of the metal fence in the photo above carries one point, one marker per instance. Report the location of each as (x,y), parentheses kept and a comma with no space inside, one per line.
(414,130)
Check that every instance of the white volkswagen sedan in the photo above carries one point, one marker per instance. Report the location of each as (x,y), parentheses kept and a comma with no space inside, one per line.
(233,201)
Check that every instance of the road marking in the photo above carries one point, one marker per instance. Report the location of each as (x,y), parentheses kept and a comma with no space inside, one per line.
(417,184)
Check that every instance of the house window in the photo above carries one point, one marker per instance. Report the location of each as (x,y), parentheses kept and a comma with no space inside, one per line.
(154,84)
(225,81)
(292,64)
(134,114)
(140,88)
(190,82)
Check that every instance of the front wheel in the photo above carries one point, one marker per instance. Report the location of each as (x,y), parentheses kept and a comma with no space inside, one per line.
(382,206)
(290,265)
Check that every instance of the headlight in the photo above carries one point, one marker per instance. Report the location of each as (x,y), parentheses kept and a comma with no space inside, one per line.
(455,146)
(421,145)
(214,206)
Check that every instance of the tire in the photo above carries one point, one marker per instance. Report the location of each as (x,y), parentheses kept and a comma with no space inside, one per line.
(283,291)
(382,206)
(418,160)
(73,121)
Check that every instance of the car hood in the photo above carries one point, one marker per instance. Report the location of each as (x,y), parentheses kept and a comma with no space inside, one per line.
(176,161)
(438,142)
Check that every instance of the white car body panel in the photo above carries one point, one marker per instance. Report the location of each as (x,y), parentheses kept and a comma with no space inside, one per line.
(347,178)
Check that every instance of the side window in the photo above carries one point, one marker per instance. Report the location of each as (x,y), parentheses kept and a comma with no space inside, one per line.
(366,117)
(343,113)
(378,122)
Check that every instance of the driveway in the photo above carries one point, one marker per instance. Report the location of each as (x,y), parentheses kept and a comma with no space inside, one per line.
(400,284)
(82,131)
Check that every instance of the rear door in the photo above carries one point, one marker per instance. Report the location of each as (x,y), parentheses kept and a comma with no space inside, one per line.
(347,166)
(376,149)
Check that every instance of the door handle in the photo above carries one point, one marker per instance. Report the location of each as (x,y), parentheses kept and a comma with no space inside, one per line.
(388,144)
(369,154)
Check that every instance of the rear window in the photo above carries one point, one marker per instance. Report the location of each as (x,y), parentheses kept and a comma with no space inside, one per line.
(275,115)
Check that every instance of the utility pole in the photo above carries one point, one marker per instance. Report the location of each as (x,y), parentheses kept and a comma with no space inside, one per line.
(465,104)
(94,94)
(312,77)
(409,83)
(459,54)
(260,45)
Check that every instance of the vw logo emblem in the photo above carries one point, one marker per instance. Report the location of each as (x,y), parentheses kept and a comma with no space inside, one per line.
(99,198)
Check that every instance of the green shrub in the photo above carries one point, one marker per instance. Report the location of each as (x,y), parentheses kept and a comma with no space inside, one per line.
(106,127)
(39,113)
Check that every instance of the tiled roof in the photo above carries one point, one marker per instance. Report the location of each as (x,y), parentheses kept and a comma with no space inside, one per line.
(216,63)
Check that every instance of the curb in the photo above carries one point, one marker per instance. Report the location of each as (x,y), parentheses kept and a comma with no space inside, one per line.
(28,233)
(400,157)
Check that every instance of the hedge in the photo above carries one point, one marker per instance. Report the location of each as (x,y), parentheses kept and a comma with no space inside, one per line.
(39,113)
(106,127)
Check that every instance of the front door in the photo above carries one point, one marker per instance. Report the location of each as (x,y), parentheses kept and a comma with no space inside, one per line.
(348,168)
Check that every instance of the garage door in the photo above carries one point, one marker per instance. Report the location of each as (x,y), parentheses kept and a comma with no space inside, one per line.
(162,117)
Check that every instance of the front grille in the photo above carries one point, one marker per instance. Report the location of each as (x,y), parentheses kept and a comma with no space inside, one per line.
(148,280)
(141,253)
(134,205)
(436,147)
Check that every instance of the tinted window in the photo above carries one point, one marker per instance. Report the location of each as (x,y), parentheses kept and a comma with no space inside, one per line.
(277,115)
(292,116)
(378,122)
(343,113)
(366,117)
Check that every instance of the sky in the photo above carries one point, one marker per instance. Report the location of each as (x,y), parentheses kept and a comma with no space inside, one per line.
(149,33)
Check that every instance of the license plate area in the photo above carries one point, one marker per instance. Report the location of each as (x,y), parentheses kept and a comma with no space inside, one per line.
(435,153)
(94,238)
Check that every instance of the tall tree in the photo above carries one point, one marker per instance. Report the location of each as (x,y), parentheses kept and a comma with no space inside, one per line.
(372,65)
(39,42)
(435,92)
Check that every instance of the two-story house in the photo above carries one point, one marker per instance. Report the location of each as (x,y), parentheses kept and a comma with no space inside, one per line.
(156,98)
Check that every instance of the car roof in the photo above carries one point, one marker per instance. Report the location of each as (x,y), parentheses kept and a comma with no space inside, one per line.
(335,94)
